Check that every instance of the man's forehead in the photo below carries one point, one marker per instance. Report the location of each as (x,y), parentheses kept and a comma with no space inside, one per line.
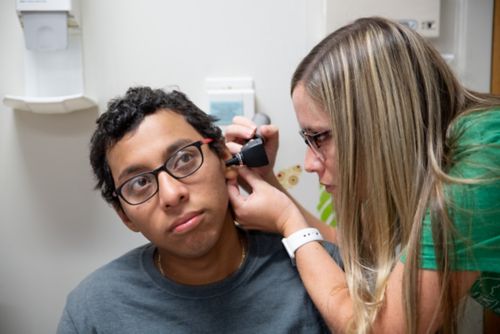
(158,136)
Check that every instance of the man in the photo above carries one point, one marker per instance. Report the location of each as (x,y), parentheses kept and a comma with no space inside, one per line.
(159,161)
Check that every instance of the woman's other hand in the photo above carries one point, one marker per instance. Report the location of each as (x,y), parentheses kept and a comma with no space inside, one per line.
(265,208)
(242,129)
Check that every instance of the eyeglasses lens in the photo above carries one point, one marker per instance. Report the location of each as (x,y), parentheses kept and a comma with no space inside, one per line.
(311,141)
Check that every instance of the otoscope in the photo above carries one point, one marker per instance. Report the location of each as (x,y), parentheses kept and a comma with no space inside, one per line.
(252,154)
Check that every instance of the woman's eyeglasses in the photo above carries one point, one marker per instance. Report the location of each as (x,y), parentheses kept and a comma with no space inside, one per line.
(315,140)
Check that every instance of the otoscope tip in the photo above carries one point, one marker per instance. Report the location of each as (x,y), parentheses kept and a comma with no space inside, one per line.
(235,160)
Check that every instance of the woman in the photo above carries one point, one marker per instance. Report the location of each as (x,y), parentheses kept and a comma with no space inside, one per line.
(412,160)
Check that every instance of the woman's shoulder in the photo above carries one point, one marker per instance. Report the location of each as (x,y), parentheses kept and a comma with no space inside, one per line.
(479,127)
(476,144)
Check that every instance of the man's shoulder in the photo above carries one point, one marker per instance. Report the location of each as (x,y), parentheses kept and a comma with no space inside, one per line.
(265,236)
(98,296)
(272,241)
(103,279)
(266,242)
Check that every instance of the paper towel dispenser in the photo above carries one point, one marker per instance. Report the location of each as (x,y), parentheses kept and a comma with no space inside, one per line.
(52,58)
(45,22)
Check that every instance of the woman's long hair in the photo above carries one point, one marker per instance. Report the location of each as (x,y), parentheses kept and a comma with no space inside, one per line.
(392,101)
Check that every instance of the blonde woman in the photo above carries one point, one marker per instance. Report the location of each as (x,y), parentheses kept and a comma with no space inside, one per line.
(412,160)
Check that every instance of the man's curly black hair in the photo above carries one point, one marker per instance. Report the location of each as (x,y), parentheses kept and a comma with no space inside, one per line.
(124,114)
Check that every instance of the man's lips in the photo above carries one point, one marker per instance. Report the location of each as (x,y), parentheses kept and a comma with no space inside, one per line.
(186,222)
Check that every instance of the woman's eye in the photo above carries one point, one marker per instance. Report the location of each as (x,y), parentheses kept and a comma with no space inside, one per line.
(321,138)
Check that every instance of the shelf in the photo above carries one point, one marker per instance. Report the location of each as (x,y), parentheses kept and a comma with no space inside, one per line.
(49,105)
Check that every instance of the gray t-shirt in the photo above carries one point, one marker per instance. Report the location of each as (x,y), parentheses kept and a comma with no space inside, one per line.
(129,295)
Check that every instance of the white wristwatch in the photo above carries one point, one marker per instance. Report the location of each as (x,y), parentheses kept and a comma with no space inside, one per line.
(300,238)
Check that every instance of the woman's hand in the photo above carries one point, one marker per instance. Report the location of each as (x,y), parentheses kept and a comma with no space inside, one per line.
(265,208)
(241,130)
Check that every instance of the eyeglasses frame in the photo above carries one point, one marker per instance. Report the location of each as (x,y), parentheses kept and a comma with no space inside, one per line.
(311,140)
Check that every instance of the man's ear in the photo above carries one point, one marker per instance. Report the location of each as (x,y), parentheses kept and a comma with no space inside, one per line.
(125,219)
(230,172)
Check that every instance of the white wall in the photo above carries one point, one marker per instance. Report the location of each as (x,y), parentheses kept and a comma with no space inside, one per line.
(54,228)
(467,33)
(465,30)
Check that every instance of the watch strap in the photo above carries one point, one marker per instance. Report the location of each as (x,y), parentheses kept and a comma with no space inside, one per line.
(299,239)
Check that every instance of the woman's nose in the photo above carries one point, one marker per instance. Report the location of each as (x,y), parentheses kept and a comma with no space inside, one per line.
(171,191)
(312,163)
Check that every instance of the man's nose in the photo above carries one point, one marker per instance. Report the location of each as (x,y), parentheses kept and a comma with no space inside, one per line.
(171,191)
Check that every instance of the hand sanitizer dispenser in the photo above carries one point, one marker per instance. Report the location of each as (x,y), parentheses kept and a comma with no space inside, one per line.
(52,58)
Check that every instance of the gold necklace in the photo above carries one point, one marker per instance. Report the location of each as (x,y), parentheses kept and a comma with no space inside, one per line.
(243,248)
(243,255)
(160,266)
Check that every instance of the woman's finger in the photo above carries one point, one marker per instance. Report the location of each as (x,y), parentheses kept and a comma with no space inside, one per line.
(234,193)
(239,133)
(233,147)
(249,176)
(243,121)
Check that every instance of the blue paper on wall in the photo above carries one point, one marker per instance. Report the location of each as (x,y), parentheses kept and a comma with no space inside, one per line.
(226,110)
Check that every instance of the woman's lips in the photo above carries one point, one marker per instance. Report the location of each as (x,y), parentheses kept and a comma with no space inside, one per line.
(330,188)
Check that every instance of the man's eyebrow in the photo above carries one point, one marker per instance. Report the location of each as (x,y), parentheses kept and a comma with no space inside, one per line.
(138,169)
(176,145)
(131,170)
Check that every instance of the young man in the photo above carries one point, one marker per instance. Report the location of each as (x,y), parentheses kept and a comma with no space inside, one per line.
(159,161)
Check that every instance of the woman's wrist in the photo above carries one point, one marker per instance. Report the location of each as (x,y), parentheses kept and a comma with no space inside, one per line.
(294,222)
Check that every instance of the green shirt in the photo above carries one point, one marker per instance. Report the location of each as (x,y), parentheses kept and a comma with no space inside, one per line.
(474,209)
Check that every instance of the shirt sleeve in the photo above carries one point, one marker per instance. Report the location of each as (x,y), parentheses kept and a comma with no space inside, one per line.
(473,208)
(66,324)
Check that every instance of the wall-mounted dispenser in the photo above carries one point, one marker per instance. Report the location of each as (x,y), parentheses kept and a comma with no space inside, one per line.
(229,97)
(52,58)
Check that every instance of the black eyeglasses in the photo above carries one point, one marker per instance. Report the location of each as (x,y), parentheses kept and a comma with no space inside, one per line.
(315,140)
(184,162)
